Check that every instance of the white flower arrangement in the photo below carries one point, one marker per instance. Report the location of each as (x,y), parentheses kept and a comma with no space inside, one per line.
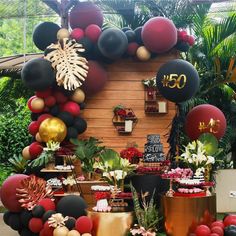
(195,155)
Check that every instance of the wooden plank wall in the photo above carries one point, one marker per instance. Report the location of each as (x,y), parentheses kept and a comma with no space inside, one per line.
(125,87)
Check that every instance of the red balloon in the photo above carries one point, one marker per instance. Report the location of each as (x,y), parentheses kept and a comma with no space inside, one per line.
(202,230)
(33,128)
(43,117)
(159,34)
(93,32)
(214,234)
(77,34)
(84,224)
(191,40)
(181,34)
(230,220)
(218,223)
(47,204)
(42,233)
(205,119)
(60,97)
(44,94)
(50,101)
(35,225)
(8,192)
(48,231)
(84,14)
(96,78)
(218,230)
(35,149)
(72,107)
(132,48)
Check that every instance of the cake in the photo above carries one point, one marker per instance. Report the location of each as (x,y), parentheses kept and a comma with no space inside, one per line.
(153,149)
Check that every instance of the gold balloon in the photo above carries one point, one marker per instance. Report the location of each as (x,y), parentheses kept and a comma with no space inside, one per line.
(26,153)
(37,104)
(73,233)
(60,231)
(143,54)
(38,138)
(86,234)
(63,33)
(78,96)
(52,129)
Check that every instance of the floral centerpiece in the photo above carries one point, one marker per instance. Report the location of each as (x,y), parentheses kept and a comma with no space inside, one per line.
(196,157)
(132,154)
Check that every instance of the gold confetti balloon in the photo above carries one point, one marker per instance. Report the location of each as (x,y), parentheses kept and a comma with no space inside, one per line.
(60,231)
(26,153)
(52,129)
(78,96)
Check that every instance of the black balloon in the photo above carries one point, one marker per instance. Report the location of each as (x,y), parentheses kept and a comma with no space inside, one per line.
(138,31)
(182,46)
(14,221)
(38,211)
(71,133)
(230,230)
(88,46)
(80,124)
(126,29)
(113,43)
(66,117)
(25,217)
(26,232)
(70,223)
(55,110)
(47,215)
(177,80)
(6,217)
(44,34)
(38,74)
(82,105)
(131,36)
(35,116)
(72,205)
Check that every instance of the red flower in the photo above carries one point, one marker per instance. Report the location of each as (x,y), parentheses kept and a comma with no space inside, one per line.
(102,195)
(131,153)
(121,113)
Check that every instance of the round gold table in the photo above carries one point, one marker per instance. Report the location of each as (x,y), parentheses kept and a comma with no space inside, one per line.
(183,214)
(110,223)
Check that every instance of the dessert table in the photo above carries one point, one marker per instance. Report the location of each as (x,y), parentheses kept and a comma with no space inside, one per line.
(110,223)
(183,214)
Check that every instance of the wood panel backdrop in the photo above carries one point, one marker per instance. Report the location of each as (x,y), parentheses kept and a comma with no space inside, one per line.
(125,87)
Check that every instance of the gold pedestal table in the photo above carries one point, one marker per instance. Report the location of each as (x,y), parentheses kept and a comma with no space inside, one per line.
(183,214)
(110,223)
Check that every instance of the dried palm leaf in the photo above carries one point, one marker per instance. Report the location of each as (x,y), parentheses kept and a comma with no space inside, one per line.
(32,190)
(70,67)
(57,220)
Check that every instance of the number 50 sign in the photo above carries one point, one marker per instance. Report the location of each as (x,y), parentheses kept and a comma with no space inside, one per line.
(177,80)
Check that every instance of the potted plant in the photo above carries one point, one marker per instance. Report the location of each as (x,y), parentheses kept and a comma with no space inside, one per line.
(87,150)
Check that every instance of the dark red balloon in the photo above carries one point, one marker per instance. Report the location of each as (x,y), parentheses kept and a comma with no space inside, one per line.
(43,94)
(96,78)
(93,32)
(84,224)
(159,34)
(205,118)
(35,225)
(132,48)
(71,107)
(60,97)
(35,149)
(84,14)
(49,101)
(8,192)
(77,34)
(43,117)
(33,128)
(202,230)
(48,204)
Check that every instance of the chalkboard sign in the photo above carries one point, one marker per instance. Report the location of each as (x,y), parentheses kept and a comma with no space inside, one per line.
(153,148)
(153,157)
(153,138)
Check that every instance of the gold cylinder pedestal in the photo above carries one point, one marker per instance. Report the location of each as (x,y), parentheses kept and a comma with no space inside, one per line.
(183,214)
(111,223)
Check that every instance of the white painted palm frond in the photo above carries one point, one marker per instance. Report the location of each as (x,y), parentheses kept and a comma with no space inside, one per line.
(71,69)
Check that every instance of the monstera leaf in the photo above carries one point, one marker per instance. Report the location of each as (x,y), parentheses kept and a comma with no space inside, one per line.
(70,67)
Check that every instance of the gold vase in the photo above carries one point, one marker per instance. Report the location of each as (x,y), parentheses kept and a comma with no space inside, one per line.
(207,173)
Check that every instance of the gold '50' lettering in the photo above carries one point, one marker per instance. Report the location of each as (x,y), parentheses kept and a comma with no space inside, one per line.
(174,81)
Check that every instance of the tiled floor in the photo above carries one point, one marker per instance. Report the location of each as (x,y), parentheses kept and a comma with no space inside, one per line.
(6,230)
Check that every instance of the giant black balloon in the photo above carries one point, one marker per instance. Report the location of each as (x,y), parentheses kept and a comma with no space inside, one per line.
(44,34)
(80,124)
(38,74)
(14,221)
(112,43)
(6,217)
(72,205)
(177,80)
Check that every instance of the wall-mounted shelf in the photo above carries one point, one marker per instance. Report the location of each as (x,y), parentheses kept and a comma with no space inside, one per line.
(154,103)
(125,124)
